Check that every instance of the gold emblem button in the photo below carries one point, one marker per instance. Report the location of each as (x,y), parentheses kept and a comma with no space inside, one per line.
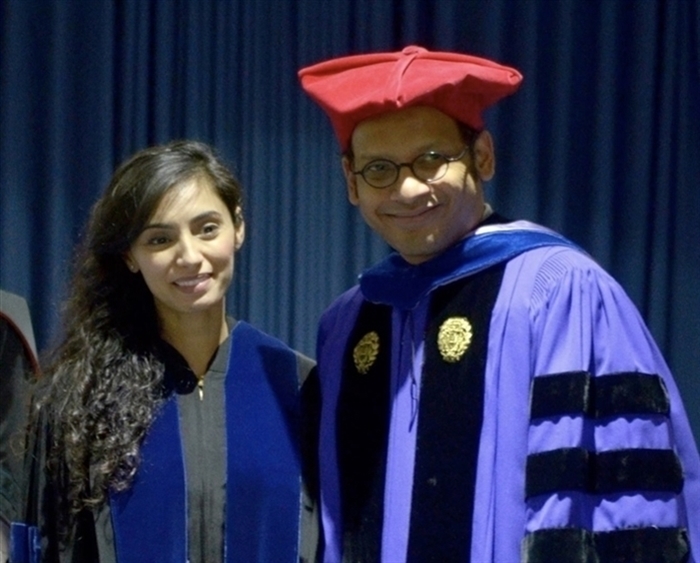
(454,337)
(365,353)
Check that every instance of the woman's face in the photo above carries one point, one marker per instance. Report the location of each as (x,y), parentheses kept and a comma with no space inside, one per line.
(186,251)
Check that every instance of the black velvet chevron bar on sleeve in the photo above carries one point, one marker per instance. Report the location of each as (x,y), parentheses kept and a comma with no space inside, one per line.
(578,393)
(611,472)
(564,469)
(576,545)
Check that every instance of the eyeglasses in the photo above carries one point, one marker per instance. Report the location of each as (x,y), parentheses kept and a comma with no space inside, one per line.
(428,167)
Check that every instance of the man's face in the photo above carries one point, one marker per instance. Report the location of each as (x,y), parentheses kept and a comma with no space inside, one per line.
(419,219)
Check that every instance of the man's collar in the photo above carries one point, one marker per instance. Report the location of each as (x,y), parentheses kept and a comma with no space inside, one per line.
(395,282)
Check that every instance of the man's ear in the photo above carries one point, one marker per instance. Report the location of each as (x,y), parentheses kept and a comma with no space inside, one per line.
(350,181)
(484,156)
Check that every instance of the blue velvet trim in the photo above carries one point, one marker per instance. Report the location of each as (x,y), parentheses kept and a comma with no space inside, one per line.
(397,283)
(150,518)
(264,467)
(25,543)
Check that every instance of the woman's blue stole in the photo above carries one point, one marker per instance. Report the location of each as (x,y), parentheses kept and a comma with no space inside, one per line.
(263,466)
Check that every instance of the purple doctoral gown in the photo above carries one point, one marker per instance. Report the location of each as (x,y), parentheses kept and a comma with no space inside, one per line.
(568,358)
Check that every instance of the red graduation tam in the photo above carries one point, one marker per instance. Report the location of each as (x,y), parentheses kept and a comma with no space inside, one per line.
(352,89)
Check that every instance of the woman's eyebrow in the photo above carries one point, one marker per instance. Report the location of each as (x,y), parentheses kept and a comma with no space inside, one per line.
(201,217)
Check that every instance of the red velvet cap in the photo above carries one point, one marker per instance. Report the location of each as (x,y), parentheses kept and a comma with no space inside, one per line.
(352,89)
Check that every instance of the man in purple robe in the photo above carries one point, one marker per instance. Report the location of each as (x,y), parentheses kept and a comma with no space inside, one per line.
(489,393)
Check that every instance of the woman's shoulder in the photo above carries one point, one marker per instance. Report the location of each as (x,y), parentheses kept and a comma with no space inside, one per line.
(248,339)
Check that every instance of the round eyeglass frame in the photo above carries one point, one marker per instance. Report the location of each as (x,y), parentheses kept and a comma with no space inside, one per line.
(397,166)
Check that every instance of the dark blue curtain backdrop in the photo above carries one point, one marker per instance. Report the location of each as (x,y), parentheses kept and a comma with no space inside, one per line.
(602,142)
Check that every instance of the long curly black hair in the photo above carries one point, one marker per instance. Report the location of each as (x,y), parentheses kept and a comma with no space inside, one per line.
(102,384)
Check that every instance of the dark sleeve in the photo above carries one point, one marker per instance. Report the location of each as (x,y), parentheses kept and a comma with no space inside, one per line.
(15,372)
(30,523)
(311,544)
(35,531)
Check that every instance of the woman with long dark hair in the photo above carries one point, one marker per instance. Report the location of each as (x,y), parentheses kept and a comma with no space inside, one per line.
(165,430)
